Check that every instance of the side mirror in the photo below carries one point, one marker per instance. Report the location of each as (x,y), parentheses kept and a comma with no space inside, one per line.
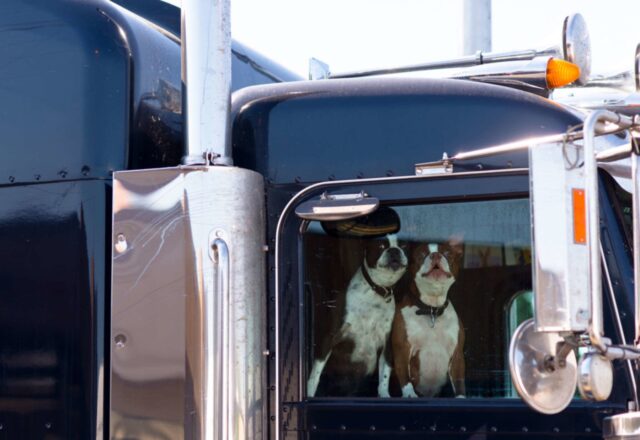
(337,207)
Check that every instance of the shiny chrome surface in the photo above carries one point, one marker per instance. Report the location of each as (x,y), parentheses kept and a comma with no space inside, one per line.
(206,77)
(560,282)
(544,388)
(622,427)
(217,340)
(166,379)
(577,46)
(596,326)
(528,75)
(337,207)
(595,377)
(465,61)
(635,178)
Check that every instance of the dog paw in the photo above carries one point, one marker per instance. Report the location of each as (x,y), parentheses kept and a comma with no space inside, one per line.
(408,391)
(461,396)
(383,393)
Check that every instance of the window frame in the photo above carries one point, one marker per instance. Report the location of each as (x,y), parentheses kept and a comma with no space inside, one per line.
(436,188)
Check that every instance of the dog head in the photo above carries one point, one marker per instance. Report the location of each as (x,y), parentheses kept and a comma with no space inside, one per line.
(436,267)
(385,260)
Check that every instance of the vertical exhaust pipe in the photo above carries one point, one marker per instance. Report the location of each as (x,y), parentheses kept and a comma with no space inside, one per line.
(206,81)
(477,26)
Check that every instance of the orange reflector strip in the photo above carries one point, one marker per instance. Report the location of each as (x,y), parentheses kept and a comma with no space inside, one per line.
(561,72)
(579,217)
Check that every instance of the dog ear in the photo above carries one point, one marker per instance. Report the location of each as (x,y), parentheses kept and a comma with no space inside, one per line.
(419,252)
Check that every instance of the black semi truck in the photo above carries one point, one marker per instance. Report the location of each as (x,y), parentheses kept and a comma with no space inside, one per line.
(158,284)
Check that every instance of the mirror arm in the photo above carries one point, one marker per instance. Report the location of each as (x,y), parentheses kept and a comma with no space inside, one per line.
(596,327)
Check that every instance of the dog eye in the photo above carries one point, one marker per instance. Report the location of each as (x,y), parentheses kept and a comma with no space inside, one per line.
(381,246)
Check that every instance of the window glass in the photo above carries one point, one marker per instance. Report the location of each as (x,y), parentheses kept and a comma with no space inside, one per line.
(426,311)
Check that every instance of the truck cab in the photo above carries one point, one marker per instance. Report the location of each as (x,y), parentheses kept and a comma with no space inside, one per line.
(283,287)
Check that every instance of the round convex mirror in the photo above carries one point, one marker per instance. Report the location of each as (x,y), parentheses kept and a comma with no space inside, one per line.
(542,383)
(577,46)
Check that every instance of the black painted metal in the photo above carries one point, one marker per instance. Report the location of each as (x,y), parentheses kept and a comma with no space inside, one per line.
(344,129)
(54,272)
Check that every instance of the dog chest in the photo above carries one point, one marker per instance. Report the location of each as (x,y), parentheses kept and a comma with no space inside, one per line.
(367,322)
(434,347)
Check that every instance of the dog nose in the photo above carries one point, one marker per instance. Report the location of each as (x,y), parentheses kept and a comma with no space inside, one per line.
(394,254)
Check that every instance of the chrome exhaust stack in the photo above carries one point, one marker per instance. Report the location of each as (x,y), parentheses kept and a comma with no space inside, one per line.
(206,81)
(188,269)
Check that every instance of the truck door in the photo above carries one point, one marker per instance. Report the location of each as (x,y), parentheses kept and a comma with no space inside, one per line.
(331,340)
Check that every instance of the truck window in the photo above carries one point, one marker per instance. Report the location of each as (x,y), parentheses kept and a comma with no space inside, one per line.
(424,312)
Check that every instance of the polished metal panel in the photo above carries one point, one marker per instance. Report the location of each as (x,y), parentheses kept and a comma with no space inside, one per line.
(622,427)
(528,75)
(635,178)
(206,77)
(577,46)
(560,279)
(188,304)
(595,377)
(337,207)
(544,385)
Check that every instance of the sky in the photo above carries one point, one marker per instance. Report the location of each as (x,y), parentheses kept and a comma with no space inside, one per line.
(365,34)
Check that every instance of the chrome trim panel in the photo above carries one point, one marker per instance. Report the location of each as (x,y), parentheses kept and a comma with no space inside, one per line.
(560,282)
(635,178)
(174,369)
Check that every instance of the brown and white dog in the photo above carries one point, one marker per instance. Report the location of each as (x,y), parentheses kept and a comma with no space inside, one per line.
(427,336)
(357,345)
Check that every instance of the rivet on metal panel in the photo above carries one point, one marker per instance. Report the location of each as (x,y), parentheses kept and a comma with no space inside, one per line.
(265,248)
(121,243)
(120,340)
(265,353)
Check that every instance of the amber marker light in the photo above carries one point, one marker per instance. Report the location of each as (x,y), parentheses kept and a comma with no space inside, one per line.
(561,72)
(579,216)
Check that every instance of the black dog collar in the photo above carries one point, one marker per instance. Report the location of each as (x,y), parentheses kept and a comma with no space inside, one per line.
(382,291)
(433,312)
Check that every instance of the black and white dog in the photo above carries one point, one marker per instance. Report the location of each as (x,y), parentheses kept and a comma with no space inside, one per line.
(349,352)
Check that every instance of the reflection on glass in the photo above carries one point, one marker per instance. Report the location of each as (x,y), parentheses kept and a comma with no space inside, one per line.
(424,312)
